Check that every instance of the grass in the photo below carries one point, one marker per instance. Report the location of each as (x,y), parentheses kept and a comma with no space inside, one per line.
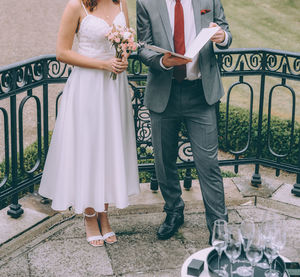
(260,24)
(268,23)
(255,23)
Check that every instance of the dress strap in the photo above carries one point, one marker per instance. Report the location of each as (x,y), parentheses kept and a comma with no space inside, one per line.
(84,8)
(121,8)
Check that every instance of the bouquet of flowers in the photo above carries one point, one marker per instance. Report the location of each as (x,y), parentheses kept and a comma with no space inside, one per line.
(122,38)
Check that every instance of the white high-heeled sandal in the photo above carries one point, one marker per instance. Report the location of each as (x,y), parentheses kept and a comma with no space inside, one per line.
(108,235)
(93,238)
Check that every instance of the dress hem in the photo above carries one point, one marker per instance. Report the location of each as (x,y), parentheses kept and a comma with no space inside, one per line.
(70,205)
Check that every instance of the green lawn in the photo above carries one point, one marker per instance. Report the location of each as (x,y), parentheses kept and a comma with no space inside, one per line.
(254,23)
(266,23)
(260,24)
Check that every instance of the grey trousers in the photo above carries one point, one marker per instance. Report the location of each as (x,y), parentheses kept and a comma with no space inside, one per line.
(187,104)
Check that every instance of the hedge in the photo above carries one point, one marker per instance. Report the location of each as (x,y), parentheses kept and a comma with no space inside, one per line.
(280,130)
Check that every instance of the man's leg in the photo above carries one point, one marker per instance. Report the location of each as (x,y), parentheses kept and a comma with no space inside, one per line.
(201,124)
(165,143)
(165,127)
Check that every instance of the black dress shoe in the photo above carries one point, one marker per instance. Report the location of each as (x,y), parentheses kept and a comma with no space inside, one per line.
(170,225)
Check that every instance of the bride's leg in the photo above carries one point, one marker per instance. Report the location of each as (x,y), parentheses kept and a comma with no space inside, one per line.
(91,226)
(105,226)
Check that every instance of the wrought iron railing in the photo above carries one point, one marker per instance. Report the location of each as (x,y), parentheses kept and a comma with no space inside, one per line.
(22,79)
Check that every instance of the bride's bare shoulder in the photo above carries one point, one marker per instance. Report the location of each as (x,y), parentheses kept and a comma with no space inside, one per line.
(74,5)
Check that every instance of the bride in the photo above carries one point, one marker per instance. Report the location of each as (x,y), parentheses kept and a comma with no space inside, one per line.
(92,158)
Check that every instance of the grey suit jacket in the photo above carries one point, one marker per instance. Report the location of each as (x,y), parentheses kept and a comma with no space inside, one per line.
(153,27)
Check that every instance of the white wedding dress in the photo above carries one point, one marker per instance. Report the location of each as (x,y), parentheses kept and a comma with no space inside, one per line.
(92,156)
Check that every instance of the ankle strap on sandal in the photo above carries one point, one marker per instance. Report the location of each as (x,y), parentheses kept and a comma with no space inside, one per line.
(89,215)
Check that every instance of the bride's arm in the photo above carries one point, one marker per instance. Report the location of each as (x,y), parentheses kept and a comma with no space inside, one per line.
(67,30)
(125,11)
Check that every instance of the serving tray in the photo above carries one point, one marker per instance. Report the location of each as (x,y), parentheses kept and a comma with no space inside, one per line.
(212,263)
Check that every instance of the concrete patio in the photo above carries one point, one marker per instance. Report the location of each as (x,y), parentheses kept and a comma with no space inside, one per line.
(44,243)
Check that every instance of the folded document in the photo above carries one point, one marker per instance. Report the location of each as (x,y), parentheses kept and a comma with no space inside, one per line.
(193,49)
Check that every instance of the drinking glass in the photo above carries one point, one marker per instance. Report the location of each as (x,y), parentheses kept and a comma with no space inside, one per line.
(271,252)
(247,230)
(233,245)
(255,249)
(219,238)
(272,248)
(268,230)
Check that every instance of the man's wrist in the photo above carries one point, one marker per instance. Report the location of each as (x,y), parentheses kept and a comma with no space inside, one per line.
(162,65)
(225,41)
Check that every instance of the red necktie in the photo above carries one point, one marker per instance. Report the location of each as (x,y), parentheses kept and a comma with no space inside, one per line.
(179,44)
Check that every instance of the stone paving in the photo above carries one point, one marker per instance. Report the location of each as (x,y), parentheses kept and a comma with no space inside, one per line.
(57,246)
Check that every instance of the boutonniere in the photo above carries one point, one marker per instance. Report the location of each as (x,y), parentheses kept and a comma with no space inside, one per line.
(205,11)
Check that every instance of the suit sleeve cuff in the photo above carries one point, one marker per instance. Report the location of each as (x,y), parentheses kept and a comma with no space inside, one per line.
(224,43)
(161,64)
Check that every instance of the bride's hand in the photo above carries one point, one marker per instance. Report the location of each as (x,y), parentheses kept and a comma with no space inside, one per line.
(116,65)
(122,65)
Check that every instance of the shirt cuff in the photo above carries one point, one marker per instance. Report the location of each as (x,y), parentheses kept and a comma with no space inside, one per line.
(162,65)
(224,43)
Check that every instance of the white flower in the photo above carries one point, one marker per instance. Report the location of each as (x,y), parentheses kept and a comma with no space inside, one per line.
(127,35)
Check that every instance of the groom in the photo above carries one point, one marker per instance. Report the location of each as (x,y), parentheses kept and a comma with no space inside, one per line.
(184,90)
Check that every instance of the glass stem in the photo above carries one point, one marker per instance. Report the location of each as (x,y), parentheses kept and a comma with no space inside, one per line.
(231,262)
(271,261)
(274,264)
(219,257)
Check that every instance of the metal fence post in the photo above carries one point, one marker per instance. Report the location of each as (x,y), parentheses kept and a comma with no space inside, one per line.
(256,177)
(15,209)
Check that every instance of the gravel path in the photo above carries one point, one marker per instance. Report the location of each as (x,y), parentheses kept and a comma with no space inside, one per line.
(29,28)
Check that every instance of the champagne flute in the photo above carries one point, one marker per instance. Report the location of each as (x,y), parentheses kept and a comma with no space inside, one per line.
(233,245)
(268,230)
(219,238)
(247,230)
(255,249)
(273,247)
(271,252)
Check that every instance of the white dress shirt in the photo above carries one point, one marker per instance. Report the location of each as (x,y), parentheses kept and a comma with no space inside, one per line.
(192,68)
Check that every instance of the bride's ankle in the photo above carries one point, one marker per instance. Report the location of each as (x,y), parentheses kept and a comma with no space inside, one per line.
(89,211)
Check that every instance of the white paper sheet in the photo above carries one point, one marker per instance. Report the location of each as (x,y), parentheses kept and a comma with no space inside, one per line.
(202,38)
(193,49)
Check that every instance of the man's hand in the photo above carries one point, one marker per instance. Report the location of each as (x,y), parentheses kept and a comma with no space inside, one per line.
(219,36)
(169,61)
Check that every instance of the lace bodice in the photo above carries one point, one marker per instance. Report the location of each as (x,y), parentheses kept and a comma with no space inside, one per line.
(91,35)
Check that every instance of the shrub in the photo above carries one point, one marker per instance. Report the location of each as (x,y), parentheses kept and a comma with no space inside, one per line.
(280,130)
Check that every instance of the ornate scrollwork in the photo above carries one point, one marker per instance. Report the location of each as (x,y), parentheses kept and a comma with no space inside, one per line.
(143,133)
(296,64)
(56,69)
(255,61)
(185,153)
(231,63)
(272,62)
(7,82)
(285,64)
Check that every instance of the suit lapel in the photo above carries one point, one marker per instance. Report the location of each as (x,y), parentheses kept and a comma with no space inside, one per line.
(164,14)
(197,15)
